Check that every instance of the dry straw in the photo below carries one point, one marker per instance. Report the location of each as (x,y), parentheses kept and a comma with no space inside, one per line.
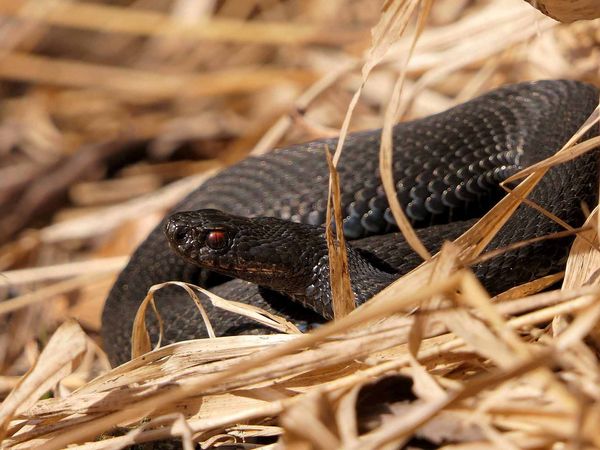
(516,371)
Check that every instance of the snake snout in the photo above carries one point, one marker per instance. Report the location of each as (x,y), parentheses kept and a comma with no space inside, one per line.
(179,234)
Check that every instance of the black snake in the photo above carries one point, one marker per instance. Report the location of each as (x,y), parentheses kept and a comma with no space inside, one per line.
(446,168)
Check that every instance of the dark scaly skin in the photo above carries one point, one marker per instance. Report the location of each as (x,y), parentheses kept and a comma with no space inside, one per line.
(446,167)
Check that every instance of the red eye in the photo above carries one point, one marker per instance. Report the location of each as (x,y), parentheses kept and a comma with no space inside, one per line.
(216,240)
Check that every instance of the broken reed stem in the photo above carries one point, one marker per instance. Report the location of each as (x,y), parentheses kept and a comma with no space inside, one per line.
(339,274)
(141,86)
(386,148)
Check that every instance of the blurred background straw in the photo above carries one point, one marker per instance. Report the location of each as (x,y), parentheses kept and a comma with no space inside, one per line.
(111,110)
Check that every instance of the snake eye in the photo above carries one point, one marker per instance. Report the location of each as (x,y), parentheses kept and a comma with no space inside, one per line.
(216,240)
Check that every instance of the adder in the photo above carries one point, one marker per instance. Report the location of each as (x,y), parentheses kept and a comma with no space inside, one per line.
(261,220)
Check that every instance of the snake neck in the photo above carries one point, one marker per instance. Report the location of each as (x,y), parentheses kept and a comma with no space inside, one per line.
(368,276)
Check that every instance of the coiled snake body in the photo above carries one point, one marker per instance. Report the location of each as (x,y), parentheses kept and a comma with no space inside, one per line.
(446,167)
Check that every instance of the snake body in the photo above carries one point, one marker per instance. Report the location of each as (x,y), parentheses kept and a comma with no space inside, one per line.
(446,168)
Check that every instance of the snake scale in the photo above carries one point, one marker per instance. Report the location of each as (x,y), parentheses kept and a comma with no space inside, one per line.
(446,169)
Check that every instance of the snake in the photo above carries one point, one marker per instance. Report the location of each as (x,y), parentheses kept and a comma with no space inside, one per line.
(255,232)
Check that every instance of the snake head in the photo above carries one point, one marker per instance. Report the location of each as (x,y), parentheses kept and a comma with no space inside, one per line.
(200,236)
(279,254)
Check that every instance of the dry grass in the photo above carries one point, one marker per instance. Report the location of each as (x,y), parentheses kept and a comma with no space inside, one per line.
(111,113)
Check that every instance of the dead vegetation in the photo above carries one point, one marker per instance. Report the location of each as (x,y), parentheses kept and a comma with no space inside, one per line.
(111,111)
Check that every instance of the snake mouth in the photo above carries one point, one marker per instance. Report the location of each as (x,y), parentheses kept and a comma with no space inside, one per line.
(244,270)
